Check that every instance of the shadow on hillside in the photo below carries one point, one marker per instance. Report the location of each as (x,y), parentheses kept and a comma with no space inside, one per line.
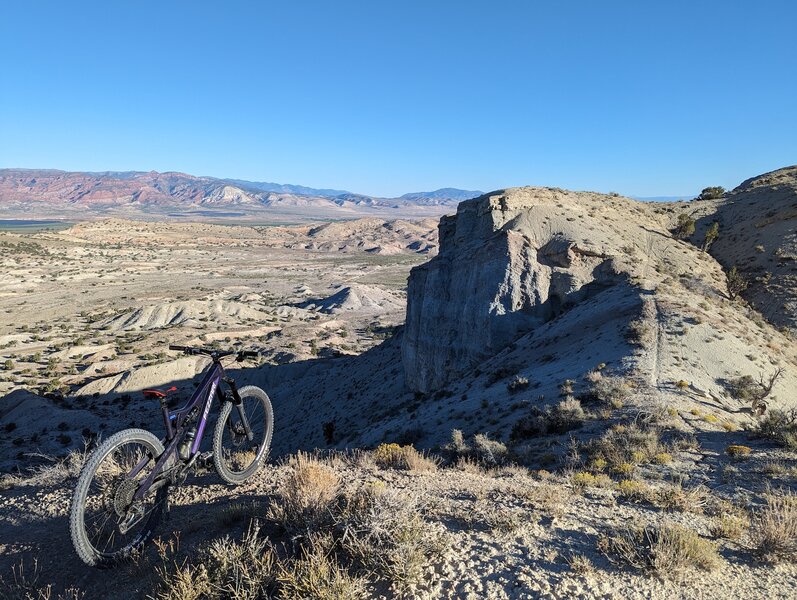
(731,475)
(46,543)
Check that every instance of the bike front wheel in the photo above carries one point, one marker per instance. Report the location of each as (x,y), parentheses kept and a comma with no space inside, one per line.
(237,455)
(106,522)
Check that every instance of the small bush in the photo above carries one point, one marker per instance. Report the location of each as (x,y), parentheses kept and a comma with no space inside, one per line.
(315,574)
(613,391)
(662,458)
(306,496)
(781,427)
(712,193)
(684,227)
(503,521)
(556,420)
(487,451)
(517,383)
(641,333)
(623,445)
(736,282)
(635,491)
(666,550)
(729,527)
(382,530)
(738,451)
(582,480)
(580,564)
(56,471)
(773,530)
(712,233)
(393,456)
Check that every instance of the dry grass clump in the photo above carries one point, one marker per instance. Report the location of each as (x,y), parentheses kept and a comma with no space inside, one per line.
(487,451)
(728,526)
(781,427)
(662,458)
(316,574)
(237,512)
(345,540)
(54,471)
(307,494)
(517,383)
(612,391)
(382,531)
(773,530)
(24,584)
(738,451)
(681,499)
(245,570)
(580,564)
(480,451)
(393,456)
(641,333)
(635,491)
(228,569)
(624,445)
(547,497)
(583,480)
(553,420)
(666,550)
(501,520)
(251,570)
(668,497)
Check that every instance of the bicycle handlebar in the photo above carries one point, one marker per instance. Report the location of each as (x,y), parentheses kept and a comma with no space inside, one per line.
(213,353)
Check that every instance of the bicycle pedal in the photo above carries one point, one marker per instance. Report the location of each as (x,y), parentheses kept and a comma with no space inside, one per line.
(205,461)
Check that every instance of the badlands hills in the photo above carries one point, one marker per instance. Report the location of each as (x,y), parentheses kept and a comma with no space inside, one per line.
(591,374)
(44,193)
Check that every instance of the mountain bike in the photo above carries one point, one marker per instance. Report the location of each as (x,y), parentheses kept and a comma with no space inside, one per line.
(121,493)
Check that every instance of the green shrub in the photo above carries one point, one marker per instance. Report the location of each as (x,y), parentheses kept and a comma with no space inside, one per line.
(781,427)
(555,420)
(736,282)
(712,193)
(684,227)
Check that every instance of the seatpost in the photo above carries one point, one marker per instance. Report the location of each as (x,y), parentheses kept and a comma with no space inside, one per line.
(166,420)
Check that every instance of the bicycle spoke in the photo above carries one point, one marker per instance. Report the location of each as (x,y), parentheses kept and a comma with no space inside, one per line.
(110,499)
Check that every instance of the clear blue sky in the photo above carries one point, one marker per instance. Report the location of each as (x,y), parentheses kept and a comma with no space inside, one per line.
(640,97)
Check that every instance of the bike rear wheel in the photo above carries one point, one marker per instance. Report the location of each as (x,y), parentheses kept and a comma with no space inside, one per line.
(106,523)
(236,457)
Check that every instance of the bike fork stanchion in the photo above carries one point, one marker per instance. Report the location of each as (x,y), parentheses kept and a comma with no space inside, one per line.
(236,400)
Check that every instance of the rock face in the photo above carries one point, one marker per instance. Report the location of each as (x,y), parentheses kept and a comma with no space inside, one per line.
(509,262)
(758,234)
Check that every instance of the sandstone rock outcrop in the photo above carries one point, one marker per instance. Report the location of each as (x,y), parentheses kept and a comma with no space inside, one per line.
(514,259)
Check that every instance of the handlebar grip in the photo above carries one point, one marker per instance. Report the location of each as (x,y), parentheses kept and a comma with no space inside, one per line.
(178,348)
(249,354)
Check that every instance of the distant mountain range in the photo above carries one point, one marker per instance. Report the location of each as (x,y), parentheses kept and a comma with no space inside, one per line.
(54,193)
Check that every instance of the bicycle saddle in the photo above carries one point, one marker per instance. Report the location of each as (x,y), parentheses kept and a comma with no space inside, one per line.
(156,393)
(161,394)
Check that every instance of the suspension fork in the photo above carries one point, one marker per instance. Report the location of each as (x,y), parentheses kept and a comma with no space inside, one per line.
(235,398)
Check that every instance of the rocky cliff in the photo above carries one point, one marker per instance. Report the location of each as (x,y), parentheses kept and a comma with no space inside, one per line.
(758,234)
(513,260)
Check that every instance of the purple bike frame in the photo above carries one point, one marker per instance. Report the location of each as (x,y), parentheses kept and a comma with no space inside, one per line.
(174,422)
